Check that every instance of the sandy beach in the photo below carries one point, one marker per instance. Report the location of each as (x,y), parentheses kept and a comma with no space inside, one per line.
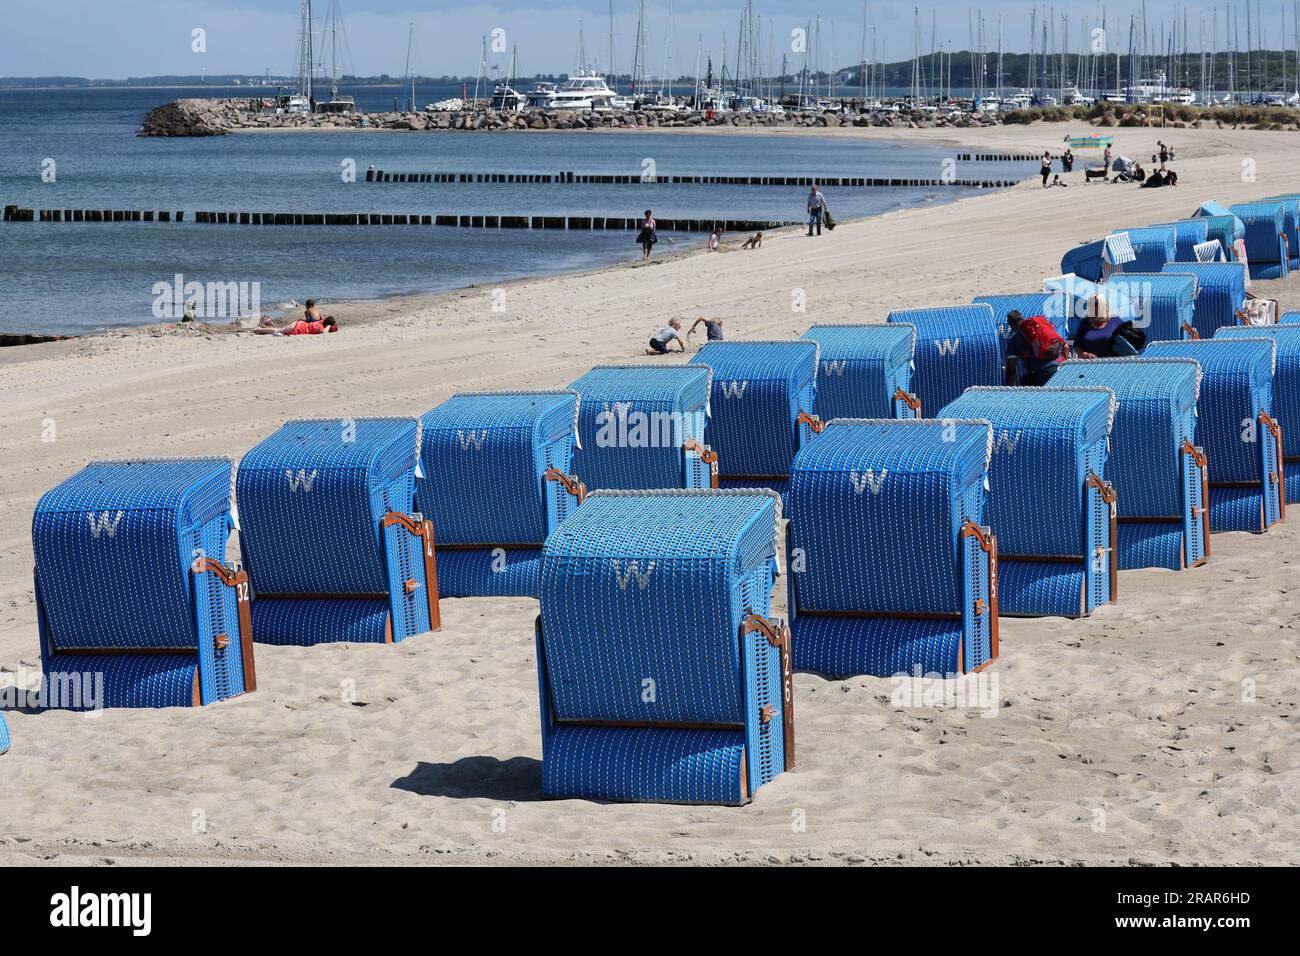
(1162,730)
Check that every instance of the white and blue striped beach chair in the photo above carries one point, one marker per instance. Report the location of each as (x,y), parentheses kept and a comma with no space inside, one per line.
(1163,303)
(1158,471)
(497,480)
(135,604)
(865,371)
(1266,242)
(956,347)
(1286,391)
(329,534)
(642,427)
(891,567)
(1236,427)
(762,406)
(662,676)
(1049,447)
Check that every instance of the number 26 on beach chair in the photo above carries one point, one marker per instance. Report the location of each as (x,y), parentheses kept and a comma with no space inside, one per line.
(135,605)
(1048,500)
(328,533)
(496,482)
(891,566)
(662,676)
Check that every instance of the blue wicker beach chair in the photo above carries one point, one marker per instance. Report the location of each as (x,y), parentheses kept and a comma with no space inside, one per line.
(1049,446)
(4,735)
(865,371)
(1164,303)
(1289,318)
(135,605)
(642,427)
(763,399)
(1075,292)
(662,677)
(1153,246)
(1290,225)
(329,534)
(1286,391)
(1266,245)
(891,569)
(1189,233)
(956,347)
(1095,261)
(1220,294)
(496,482)
(1158,472)
(1236,427)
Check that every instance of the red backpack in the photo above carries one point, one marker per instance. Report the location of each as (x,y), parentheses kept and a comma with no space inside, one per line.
(1045,343)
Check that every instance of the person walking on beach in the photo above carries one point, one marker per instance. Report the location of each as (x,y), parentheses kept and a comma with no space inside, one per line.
(648,235)
(1106,159)
(1067,162)
(1047,167)
(816,210)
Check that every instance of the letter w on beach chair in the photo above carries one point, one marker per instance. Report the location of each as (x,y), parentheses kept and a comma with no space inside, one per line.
(865,371)
(662,676)
(1236,427)
(891,568)
(496,482)
(331,542)
(642,427)
(762,404)
(1286,390)
(956,347)
(135,605)
(1158,471)
(1048,500)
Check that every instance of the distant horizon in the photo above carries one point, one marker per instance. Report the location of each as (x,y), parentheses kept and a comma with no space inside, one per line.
(248,38)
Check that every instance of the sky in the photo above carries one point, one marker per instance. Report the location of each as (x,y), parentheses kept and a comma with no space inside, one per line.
(115,39)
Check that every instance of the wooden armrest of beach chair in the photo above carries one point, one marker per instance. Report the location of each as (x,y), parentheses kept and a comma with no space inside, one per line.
(237,579)
(569,483)
(778,635)
(707,455)
(910,400)
(422,528)
(1277,478)
(988,543)
(1191,331)
(1109,496)
(1202,461)
(812,421)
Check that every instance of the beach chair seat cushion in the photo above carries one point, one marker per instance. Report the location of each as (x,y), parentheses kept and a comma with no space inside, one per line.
(653,688)
(128,567)
(329,535)
(915,589)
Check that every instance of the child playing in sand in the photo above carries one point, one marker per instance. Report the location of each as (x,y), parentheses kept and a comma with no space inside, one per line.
(754,242)
(715,237)
(712,326)
(666,336)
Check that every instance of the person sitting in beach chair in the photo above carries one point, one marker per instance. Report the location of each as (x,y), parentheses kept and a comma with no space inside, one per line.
(1103,335)
(754,242)
(1038,346)
(666,336)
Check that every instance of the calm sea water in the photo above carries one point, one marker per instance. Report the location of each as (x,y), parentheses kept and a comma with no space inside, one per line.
(73,278)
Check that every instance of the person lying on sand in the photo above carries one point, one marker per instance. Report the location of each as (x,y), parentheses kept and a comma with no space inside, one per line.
(300,327)
(754,242)
(666,336)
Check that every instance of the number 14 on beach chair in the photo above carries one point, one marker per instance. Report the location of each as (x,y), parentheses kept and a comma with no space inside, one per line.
(134,603)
